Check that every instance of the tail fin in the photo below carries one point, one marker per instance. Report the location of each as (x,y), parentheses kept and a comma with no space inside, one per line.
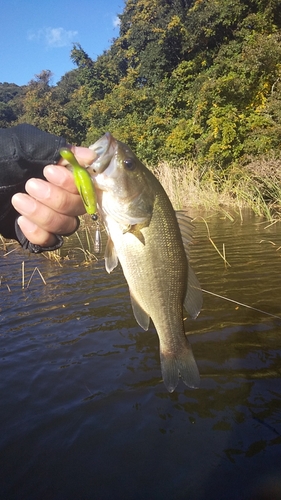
(183,363)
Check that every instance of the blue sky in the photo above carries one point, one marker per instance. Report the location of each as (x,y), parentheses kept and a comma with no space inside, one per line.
(37,35)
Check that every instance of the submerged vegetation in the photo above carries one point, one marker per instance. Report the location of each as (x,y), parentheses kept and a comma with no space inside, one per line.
(191,85)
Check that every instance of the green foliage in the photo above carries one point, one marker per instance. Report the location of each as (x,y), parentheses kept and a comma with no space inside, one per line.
(189,79)
(152,35)
(40,106)
(7,115)
(10,103)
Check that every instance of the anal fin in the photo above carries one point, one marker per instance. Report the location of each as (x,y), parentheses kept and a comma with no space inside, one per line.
(194,299)
(110,256)
(141,316)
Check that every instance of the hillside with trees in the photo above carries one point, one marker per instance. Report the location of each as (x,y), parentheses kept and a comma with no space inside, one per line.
(185,79)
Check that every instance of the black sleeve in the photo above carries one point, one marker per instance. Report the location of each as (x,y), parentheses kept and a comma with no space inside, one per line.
(24,152)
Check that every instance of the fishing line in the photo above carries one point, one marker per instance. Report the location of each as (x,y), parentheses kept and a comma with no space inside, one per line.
(240,304)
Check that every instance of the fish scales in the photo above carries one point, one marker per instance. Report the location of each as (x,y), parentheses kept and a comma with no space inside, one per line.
(152,255)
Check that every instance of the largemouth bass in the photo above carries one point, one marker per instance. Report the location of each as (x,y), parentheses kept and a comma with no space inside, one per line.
(150,240)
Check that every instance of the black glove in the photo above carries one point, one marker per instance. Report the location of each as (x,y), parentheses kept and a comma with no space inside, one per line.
(24,152)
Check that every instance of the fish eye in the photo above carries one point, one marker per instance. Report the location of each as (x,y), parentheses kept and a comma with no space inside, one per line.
(129,164)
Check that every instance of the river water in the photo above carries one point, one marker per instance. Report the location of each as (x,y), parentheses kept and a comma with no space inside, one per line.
(84,413)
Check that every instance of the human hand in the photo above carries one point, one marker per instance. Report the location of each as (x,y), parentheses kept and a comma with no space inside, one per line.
(51,207)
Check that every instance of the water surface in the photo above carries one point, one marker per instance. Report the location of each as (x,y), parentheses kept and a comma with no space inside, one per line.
(84,413)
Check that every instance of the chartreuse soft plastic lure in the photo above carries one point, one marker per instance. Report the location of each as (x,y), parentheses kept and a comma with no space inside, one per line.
(83,183)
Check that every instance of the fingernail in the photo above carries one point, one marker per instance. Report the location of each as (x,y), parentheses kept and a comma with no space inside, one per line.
(57,175)
(24,204)
(38,188)
(27,225)
(85,156)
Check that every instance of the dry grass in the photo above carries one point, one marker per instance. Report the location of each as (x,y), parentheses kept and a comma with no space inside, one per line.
(264,186)
(24,278)
(81,246)
(256,185)
(188,186)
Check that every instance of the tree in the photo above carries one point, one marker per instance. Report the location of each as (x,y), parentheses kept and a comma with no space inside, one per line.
(10,104)
(152,34)
(41,106)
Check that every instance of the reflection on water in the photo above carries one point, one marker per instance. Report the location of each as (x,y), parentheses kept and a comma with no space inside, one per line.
(84,413)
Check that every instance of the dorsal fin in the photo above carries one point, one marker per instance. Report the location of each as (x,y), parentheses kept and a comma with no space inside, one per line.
(193,300)
(186,229)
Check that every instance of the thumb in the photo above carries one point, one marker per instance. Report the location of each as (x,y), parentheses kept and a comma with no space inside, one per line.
(84,156)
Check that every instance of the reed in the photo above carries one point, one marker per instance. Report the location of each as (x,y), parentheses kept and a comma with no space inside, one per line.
(36,269)
(55,256)
(3,243)
(188,186)
(5,284)
(86,249)
(23,278)
(256,185)
(221,254)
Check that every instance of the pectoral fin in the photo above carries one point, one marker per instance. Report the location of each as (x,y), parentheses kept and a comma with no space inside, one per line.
(138,234)
(136,231)
(110,255)
(141,316)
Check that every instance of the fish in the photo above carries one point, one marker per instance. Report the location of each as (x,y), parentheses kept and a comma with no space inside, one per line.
(151,242)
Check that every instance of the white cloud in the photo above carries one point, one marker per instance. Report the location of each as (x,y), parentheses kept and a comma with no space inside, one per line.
(116,22)
(59,37)
(53,37)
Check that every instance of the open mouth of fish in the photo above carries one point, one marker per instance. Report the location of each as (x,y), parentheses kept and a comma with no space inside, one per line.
(104,148)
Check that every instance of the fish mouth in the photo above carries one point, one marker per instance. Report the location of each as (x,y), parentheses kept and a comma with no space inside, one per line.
(104,148)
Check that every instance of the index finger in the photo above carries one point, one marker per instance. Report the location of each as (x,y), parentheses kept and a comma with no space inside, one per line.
(61,177)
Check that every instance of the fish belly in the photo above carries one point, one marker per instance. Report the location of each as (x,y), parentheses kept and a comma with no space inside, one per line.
(155,267)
